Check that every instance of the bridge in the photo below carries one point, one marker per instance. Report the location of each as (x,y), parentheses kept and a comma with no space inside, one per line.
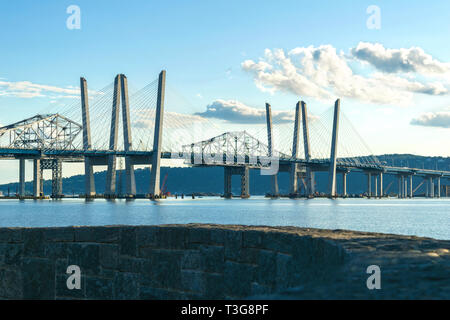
(70,135)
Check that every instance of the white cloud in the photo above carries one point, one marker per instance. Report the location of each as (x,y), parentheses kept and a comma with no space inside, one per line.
(325,74)
(433,119)
(238,112)
(27,89)
(399,60)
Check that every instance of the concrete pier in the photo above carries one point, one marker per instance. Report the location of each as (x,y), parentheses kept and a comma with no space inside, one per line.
(245,187)
(438,179)
(369,184)
(36,177)
(21,177)
(344,184)
(411,190)
(431,187)
(381,185)
(375,186)
(243,172)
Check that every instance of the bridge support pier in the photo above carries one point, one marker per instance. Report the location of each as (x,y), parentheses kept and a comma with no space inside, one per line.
(344,183)
(411,190)
(431,187)
(36,178)
(438,187)
(245,187)
(369,184)
(57,178)
(243,172)
(293,176)
(227,183)
(89,181)
(375,187)
(381,185)
(21,177)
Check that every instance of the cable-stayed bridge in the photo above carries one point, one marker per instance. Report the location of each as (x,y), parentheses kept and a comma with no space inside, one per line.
(140,128)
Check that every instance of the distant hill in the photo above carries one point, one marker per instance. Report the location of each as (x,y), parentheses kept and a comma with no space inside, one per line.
(210,180)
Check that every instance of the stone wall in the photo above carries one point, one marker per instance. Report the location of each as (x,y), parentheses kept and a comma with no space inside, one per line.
(205,262)
(158,262)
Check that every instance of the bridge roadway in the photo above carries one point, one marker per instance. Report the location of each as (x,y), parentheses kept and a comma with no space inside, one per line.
(238,166)
(316,164)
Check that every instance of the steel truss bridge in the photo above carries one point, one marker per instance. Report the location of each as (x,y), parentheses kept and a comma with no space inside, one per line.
(51,139)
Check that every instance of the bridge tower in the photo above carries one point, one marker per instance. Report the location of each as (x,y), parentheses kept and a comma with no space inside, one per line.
(295,141)
(87,142)
(309,173)
(274,178)
(154,189)
(120,94)
(333,153)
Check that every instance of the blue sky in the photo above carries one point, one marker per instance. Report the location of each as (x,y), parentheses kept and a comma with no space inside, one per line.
(203,45)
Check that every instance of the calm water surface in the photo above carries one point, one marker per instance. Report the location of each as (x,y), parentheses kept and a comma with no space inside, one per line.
(421,217)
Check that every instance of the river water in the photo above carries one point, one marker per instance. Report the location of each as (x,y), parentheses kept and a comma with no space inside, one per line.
(421,217)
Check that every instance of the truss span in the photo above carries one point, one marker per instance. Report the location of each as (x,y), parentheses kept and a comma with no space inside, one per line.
(43,132)
(229,148)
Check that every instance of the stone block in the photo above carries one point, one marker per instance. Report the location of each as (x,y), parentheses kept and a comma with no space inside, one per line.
(192,260)
(55,250)
(146,236)
(171,238)
(126,286)
(99,288)
(128,242)
(59,234)
(11,254)
(193,281)
(86,256)
(10,235)
(107,234)
(34,245)
(233,245)
(252,239)
(238,278)
(38,278)
(249,255)
(266,274)
(198,235)
(214,286)
(213,258)
(11,284)
(127,264)
(109,255)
